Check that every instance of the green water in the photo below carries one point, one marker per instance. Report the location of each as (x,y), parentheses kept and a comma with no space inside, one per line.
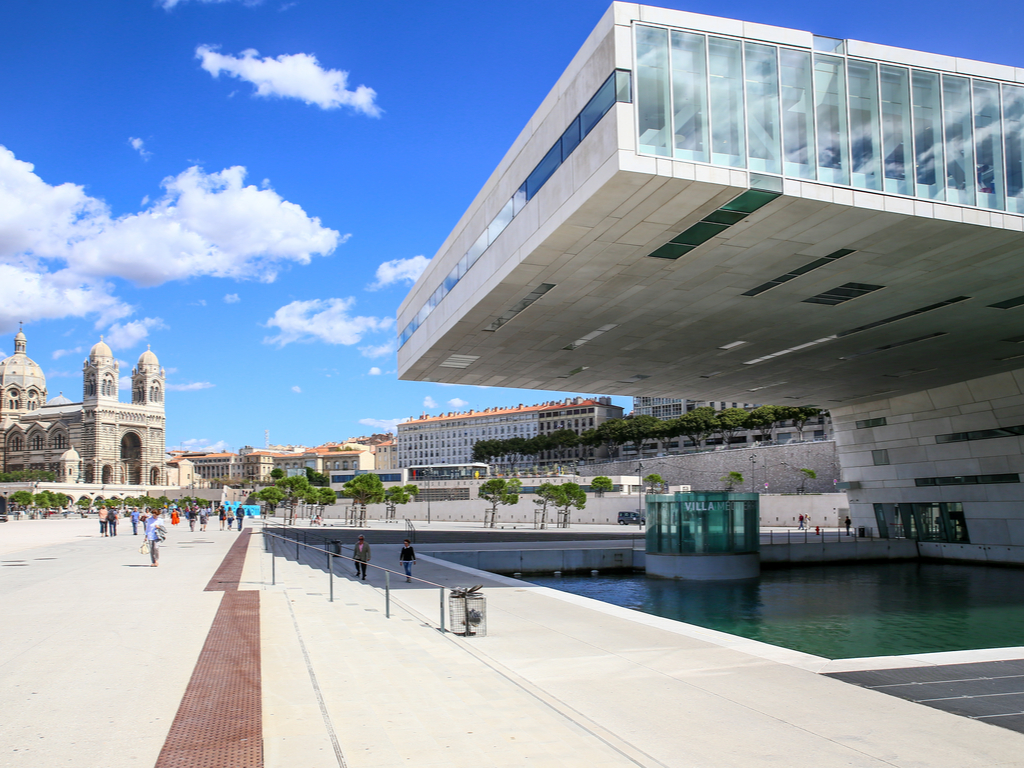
(839,611)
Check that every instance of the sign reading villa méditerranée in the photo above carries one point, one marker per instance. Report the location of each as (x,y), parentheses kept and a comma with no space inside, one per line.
(702,523)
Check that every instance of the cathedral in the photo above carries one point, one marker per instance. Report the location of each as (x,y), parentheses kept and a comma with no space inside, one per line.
(97,440)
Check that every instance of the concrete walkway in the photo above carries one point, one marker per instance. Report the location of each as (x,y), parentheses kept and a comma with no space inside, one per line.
(560,680)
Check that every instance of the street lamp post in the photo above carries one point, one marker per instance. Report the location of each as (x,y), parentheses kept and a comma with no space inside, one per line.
(753,482)
(426,477)
(640,488)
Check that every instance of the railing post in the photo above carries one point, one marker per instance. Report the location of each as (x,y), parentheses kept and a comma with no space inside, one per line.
(442,609)
(330,570)
(273,568)
(387,594)
(297,545)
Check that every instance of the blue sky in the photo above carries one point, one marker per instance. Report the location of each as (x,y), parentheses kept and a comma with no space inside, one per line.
(247,186)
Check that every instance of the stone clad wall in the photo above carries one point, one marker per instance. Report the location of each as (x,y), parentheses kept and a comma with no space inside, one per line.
(778,464)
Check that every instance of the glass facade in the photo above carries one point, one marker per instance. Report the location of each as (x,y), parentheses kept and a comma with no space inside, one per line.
(825,116)
(617,87)
(929,521)
(703,523)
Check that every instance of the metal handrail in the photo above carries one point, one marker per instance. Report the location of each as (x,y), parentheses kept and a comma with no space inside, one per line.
(330,570)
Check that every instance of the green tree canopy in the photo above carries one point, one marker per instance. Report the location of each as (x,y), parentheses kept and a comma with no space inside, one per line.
(399,494)
(271,496)
(601,485)
(731,421)
(499,490)
(731,479)
(568,496)
(277,473)
(765,417)
(22,498)
(653,483)
(317,479)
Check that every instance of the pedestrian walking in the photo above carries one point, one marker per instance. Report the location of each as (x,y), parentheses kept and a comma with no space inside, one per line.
(802,521)
(223,517)
(192,518)
(156,532)
(112,522)
(174,517)
(239,515)
(848,523)
(407,557)
(361,556)
(204,517)
(135,521)
(103,521)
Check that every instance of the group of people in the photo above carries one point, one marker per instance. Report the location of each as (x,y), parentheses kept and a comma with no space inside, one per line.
(361,555)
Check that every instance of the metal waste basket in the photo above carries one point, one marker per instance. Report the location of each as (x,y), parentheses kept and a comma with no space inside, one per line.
(862,532)
(335,546)
(467,612)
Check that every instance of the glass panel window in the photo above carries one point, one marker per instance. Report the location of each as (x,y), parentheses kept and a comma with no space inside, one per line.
(830,107)
(988,143)
(762,83)
(797,114)
(956,123)
(865,141)
(1013,122)
(897,146)
(725,67)
(689,97)
(927,135)
(652,89)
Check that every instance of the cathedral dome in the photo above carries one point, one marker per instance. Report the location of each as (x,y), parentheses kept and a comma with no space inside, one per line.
(21,370)
(59,400)
(148,358)
(100,349)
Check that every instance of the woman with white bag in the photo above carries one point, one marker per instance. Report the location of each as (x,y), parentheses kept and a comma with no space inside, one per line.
(156,532)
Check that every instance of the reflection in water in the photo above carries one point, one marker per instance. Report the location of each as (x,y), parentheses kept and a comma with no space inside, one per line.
(839,611)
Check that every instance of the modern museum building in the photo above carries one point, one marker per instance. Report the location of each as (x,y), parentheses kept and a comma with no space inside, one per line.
(748,213)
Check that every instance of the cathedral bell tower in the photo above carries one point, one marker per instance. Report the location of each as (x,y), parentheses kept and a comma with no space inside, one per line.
(100,375)
(148,380)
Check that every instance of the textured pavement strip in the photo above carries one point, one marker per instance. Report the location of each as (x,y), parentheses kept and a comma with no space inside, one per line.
(219,723)
(97,647)
(659,692)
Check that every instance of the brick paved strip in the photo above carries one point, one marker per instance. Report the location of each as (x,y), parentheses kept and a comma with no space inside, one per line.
(219,723)
(229,574)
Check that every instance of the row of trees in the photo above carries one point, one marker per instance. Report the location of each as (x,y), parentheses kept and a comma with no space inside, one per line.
(697,426)
(56,500)
(561,498)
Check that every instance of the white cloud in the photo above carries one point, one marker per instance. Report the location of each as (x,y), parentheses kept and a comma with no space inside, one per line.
(375,371)
(59,246)
(379,350)
(458,402)
(398,270)
(140,146)
(231,298)
(124,383)
(190,387)
(202,444)
(127,335)
(384,425)
(295,76)
(325,320)
(297,389)
(429,402)
(59,353)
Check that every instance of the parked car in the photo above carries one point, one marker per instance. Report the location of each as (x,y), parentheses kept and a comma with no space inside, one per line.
(631,518)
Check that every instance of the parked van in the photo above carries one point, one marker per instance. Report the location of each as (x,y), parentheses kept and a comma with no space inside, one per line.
(631,518)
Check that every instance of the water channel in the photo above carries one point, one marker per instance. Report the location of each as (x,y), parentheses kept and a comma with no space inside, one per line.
(836,611)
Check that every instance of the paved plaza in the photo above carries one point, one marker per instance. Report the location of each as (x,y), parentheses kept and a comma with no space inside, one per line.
(102,656)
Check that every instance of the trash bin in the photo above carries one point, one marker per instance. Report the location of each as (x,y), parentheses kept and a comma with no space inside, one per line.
(467,612)
(335,546)
(862,532)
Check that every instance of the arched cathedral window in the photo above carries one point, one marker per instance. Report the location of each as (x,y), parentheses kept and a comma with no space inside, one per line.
(60,441)
(15,443)
(37,442)
(90,387)
(154,394)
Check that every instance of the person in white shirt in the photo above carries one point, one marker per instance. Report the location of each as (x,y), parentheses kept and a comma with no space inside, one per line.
(156,530)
